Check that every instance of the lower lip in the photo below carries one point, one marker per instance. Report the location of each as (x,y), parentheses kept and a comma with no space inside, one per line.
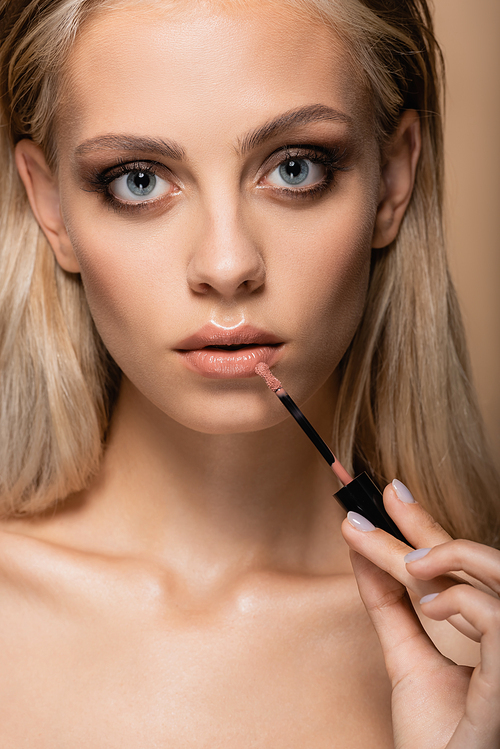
(218,364)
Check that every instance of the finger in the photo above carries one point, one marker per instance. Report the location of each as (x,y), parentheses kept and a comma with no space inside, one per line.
(411,659)
(480,726)
(414,522)
(482,732)
(387,553)
(404,642)
(482,611)
(478,561)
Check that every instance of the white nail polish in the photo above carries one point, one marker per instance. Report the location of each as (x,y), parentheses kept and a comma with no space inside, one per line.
(403,492)
(359,522)
(429,597)
(412,556)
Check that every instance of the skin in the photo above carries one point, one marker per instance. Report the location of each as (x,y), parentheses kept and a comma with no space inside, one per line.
(186,598)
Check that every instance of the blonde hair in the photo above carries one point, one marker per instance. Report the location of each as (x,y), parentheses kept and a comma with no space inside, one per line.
(406,406)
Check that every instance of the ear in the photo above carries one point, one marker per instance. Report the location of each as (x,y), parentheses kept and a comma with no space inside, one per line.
(399,166)
(43,194)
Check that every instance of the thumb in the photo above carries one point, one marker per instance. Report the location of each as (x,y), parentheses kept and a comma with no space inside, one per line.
(428,690)
(405,644)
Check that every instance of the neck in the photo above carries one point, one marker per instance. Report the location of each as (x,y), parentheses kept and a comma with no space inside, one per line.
(219,502)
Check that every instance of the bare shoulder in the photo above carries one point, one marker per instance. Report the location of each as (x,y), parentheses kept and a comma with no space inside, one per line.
(86,635)
(20,556)
(40,568)
(27,562)
(34,575)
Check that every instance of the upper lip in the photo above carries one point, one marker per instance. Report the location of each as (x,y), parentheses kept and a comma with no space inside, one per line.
(212,335)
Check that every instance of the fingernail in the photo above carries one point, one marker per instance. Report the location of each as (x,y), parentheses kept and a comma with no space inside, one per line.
(403,492)
(412,556)
(428,598)
(359,522)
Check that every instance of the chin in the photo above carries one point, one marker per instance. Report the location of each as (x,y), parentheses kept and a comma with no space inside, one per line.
(232,415)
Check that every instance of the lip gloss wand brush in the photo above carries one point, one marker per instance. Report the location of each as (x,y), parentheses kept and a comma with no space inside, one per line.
(358,494)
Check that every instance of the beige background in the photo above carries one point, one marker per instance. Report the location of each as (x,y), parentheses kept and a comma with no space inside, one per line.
(469,33)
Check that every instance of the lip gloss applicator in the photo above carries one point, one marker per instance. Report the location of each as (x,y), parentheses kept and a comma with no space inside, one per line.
(358,494)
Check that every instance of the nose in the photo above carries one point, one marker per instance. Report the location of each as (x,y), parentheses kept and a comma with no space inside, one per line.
(226,259)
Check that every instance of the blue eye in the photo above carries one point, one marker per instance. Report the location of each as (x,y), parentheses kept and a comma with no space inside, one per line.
(294,171)
(139,185)
(297,172)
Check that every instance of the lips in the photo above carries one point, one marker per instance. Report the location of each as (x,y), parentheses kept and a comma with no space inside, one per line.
(213,336)
(220,353)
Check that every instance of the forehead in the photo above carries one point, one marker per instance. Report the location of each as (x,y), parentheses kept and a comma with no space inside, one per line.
(151,66)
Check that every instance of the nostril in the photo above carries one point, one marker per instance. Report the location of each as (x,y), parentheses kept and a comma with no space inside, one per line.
(225,268)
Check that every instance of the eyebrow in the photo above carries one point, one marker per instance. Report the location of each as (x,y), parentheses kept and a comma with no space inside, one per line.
(294,118)
(172,150)
(167,148)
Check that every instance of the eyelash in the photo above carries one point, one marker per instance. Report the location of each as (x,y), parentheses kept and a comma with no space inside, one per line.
(100,182)
(330,158)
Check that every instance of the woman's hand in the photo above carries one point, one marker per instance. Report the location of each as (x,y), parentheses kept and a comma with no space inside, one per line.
(436,704)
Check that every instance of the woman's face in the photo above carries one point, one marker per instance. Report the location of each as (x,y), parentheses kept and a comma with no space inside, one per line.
(218,169)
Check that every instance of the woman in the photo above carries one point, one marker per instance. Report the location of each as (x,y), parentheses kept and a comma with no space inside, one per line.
(202,186)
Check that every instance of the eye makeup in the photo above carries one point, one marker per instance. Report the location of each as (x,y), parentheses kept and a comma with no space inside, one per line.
(101,181)
(289,163)
(292,159)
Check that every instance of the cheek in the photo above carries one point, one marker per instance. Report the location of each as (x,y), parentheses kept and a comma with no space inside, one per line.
(346,264)
(130,282)
(322,273)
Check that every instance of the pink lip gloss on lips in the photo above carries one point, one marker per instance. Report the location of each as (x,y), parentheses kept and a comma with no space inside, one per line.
(227,353)
(218,363)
